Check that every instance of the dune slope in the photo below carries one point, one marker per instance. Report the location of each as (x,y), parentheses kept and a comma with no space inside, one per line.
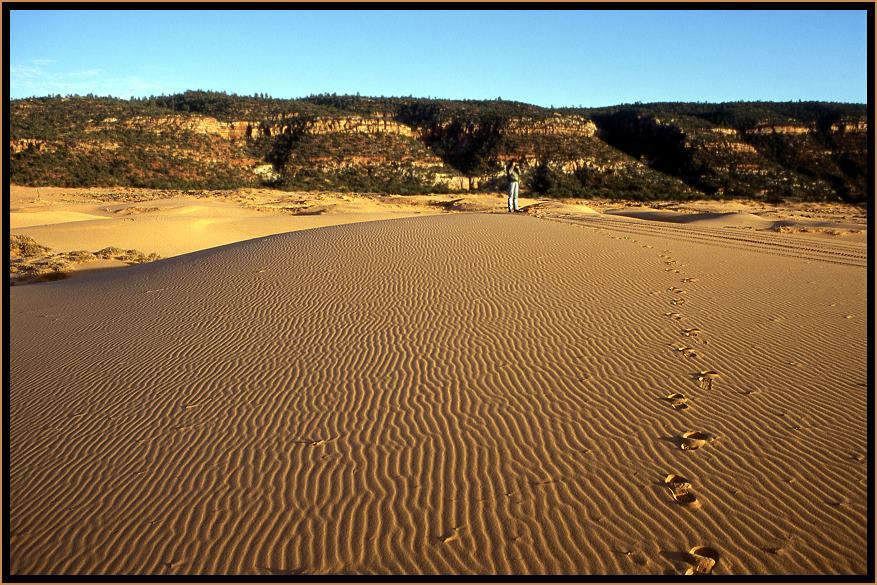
(456,394)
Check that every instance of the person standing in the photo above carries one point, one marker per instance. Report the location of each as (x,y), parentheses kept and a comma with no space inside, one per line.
(514,176)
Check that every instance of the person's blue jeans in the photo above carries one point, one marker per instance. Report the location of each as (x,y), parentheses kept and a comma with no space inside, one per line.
(513,196)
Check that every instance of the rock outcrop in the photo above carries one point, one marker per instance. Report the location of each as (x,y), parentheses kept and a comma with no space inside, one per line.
(408,145)
(768,129)
(763,160)
(849,127)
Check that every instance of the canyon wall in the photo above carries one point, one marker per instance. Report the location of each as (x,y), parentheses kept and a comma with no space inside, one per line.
(409,145)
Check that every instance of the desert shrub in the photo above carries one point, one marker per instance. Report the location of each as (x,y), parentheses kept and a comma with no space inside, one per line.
(80,256)
(109,253)
(25,246)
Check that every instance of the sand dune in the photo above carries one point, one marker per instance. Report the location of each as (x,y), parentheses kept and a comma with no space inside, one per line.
(169,223)
(174,226)
(728,215)
(455,394)
(38,218)
(717,219)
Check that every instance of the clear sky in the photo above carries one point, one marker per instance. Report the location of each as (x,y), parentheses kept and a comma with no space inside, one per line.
(560,58)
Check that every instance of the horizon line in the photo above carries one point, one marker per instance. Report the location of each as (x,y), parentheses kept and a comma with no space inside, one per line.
(265,96)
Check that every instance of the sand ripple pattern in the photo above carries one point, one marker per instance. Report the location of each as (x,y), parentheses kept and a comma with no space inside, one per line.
(460,394)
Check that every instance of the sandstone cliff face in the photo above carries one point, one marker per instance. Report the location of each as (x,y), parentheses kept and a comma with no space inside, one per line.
(557,125)
(414,145)
(357,124)
(735,146)
(481,148)
(251,129)
(791,129)
(158,124)
(293,124)
(772,160)
(849,127)
(827,160)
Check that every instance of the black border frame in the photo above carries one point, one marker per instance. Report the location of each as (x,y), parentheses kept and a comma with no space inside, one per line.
(869,577)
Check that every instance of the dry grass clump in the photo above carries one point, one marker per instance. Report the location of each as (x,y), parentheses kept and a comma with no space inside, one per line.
(130,256)
(136,210)
(109,253)
(81,256)
(797,229)
(25,247)
(40,269)
(33,262)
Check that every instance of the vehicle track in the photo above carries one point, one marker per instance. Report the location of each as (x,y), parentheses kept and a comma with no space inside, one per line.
(843,253)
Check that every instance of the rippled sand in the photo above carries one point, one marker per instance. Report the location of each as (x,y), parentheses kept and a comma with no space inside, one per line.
(454,394)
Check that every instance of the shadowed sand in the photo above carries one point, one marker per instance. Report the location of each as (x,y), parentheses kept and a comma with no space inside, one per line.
(455,394)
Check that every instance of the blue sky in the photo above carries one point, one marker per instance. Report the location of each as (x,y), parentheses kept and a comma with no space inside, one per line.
(560,58)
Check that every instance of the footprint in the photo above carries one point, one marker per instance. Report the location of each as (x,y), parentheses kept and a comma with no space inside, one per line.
(706,377)
(677,302)
(691,332)
(689,279)
(686,351)
(677,290)
(704,559)
(314,442)
(286,572)
(680,491)
(451,536)
(678,401)
(692,440)
(676,316)
(542,481)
